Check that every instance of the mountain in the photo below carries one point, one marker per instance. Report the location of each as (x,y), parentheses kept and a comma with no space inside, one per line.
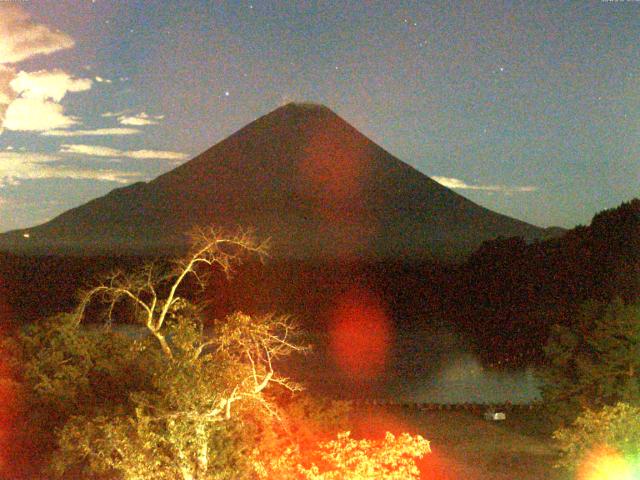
(299,175)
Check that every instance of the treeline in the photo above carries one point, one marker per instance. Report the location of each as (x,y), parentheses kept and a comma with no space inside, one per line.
(503,299)
(509,293)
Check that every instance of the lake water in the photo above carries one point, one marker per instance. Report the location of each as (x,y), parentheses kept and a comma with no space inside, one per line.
(465,380)
(434,367)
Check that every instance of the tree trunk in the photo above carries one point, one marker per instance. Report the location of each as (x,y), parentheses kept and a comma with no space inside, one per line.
(203,450)
(184,465)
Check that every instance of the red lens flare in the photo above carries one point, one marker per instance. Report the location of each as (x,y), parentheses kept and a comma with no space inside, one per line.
(9,444)
(360,335)
(7,420)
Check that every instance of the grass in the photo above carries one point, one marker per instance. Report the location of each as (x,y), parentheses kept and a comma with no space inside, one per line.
(465,446)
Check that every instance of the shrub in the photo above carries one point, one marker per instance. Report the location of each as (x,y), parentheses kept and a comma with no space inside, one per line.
(345,458)
(605,442)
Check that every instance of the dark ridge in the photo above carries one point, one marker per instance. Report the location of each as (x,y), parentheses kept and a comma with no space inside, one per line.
(299,175)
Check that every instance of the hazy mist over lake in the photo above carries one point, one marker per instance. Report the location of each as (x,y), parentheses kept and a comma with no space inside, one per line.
(464,380)
(444,370)
(428,367)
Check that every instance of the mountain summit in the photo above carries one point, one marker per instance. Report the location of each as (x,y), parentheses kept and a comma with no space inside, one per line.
(300,175)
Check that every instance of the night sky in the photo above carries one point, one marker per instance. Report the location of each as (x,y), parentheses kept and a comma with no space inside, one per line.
(530,108)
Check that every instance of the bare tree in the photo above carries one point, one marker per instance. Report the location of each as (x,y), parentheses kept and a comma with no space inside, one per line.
(197,374)
(209,248)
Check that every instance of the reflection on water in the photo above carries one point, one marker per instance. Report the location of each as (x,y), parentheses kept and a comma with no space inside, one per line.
(424,367)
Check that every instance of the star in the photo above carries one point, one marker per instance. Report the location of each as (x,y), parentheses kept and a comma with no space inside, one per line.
(226,93)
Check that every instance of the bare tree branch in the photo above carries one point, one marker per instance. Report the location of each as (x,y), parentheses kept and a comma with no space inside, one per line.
(210,248)
(200,378)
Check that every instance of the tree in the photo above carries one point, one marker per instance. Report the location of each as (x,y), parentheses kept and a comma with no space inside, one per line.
(603,443)
(172,402)
(62,370)
(595,361)
(346,458)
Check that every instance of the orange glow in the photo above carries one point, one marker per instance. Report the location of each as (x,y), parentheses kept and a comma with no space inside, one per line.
(8,408)
(359,335)
(606,464)
(374,421)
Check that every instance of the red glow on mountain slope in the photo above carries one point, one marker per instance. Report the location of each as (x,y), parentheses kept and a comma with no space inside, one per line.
(335,165)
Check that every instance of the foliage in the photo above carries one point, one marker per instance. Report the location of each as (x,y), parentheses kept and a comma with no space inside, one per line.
(345,458)
(73,369)
(166,398)
(516,291)
(594,363)
(612,432)
(60,370)
(306,419)
(303,420)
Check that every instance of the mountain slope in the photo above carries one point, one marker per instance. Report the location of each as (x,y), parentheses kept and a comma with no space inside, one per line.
(300,175)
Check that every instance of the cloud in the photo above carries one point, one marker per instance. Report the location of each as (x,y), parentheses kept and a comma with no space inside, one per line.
(23,38)
(103,175)
(140,119)
(7,94)
(157,154)
(48,84)
(94,150)
(100,151)
(16,166)
(125,117)
(114,114)
(35,104)
(93,132)
(457,184)
(32,114)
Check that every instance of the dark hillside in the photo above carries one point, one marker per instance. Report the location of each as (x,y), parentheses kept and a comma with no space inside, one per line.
(502,299)
(513,291)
